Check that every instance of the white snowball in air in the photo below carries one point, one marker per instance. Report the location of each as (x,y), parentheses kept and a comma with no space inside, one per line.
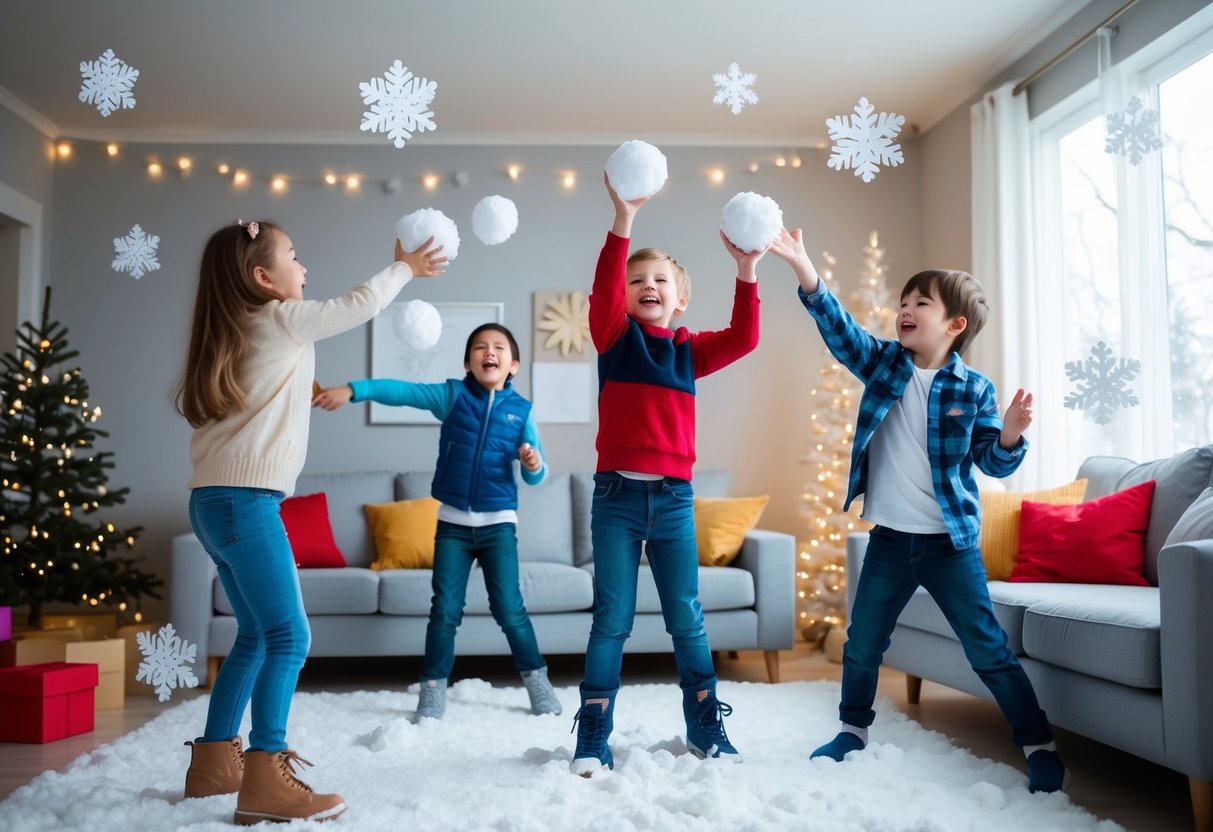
(494,220)
(417,324)
(751,221)
(415,228)
(636,169)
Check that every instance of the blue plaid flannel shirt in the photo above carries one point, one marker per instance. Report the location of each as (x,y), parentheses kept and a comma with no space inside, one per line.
(963,423)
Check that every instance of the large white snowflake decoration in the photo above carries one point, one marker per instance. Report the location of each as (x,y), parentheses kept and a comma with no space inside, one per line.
(136,253)
(107,83)
(1132,133)
(399,103)
(167,660)
(733,88)
(1101,383)
(864,141)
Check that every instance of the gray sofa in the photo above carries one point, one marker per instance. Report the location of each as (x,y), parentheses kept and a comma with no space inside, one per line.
(356,611)
(1128,666)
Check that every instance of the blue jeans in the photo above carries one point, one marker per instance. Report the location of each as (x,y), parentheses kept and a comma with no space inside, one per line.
(625,513)
(242,531)
(496,547)
(895,564)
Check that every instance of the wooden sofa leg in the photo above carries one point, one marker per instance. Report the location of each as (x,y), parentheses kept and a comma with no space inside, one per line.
(212,669)
(732,654)
(913,688)
(772,660)
(1202,804)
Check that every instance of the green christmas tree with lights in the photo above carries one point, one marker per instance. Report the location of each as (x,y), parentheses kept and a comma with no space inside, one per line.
(57,545)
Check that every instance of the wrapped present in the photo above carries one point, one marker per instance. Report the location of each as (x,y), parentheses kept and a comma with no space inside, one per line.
(46,702)
(6,623)
(134,656)
(92,625)
(48,633)
(24,651)
(110,657)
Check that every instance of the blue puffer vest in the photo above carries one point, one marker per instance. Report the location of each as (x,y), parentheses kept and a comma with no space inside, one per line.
(478,444)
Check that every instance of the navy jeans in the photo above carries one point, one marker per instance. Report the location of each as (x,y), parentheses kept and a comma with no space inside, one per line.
(496,547)
(896,564)
(625,513)
(241,529)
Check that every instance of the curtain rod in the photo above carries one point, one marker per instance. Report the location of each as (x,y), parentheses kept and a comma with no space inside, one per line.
(1027,82)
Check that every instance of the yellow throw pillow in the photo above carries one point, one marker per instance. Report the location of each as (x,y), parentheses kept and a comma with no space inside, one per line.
(403,533)
(1000,512)
(721,524)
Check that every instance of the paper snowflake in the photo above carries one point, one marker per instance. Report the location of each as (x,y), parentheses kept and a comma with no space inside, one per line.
(864,141)
(733,88)
(1101,383)
(1133,133)
(398,102)
(167,660)
(568,319)
(136,253)
(107,83)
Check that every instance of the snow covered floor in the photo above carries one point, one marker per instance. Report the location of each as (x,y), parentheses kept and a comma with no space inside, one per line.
(490,765)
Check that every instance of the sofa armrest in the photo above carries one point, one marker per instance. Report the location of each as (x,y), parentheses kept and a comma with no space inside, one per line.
(857,546)
(1185,584)
(191,605)
(771,558)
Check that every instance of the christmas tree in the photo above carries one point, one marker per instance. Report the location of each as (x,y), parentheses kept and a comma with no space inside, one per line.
(53,484)
(821,570)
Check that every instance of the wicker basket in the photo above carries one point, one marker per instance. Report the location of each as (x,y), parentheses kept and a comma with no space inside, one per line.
(835,639)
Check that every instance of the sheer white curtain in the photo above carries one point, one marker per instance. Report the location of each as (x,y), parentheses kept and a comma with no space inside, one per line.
(1004,259)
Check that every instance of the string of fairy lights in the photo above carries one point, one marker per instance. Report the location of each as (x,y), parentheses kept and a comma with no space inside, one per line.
(160,166)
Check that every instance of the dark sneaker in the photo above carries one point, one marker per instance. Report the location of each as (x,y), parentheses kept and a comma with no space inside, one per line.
(1046,773)
(705,715)
(593,723)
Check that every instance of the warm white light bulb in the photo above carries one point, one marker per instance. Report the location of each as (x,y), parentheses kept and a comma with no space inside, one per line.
(569,180)
(240,178)
(352,183)
(429,181)
(112,148)
(154,168)
(513,171)
(278,184)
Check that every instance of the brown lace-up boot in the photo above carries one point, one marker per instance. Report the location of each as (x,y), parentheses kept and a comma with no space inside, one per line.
(270,791)
(215,768)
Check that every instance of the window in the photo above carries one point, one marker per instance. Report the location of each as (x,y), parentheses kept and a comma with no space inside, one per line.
(1125,257)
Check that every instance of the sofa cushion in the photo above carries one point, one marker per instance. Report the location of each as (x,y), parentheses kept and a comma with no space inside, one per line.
(721,524)
(404,532)
(1000,512)
(1179,480)
(720,588)
(306,519)
(1196,523)
(1110,632)
(346,495)
(546,587)
(348,591)
(545,514)
(922,613)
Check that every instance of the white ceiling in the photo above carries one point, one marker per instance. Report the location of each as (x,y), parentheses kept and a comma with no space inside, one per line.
(510,71)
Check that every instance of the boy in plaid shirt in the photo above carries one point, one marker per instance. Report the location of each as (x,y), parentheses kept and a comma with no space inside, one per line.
(924,420)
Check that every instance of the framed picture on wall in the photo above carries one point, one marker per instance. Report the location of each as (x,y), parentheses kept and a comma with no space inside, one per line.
(393,358)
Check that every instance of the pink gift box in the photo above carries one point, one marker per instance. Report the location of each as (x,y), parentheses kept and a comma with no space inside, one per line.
(6,623)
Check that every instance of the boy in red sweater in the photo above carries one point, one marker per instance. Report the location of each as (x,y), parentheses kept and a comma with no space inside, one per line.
(642,488)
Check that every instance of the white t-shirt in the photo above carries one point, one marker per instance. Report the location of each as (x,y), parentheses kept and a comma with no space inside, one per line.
(900,494)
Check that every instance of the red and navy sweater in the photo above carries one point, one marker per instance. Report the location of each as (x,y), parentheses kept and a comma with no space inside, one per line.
(646,374)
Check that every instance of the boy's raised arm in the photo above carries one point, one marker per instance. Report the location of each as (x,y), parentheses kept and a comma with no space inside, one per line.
(608,306)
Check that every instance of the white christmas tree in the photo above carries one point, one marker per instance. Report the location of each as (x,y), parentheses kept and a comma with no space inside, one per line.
(834,401)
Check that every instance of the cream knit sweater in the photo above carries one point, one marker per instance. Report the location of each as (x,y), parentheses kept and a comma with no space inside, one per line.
(265,444)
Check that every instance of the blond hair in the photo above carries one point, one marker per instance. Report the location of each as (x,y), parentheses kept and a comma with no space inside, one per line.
(682,282)
(960,294)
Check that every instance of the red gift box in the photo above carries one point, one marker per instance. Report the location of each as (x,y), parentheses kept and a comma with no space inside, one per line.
(46,702)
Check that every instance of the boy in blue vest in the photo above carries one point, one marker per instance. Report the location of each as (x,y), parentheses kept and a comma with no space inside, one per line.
(925,419)
(486,425)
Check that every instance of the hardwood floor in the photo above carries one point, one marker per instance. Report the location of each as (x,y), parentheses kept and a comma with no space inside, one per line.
(1109,783)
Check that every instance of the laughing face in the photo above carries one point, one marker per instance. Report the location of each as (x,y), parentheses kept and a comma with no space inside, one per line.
(652,293)
(924,328)
(490,359)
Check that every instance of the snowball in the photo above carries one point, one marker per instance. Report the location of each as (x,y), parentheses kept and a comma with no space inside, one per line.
(636,169)
(418,325)
(494,220)
(751,221)
(415,228)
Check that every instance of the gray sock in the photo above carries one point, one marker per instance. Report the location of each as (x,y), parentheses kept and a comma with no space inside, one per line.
(432,702)
(862,733)
(543,697)
(1029,750)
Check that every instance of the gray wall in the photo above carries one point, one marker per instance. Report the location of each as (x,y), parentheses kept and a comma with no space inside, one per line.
(132,333)
(25,167)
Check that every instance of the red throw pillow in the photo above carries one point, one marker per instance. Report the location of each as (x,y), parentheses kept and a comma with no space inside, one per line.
(307,525)
(1099,542)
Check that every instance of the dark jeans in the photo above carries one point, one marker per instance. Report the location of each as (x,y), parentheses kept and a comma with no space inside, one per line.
(625,513)
(896,564)
(496,547)
(241,529)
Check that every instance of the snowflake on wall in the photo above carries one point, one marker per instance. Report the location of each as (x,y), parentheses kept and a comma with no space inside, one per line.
(1101,383)
(733,88)
(136,253)
(399,103)
(567,318)
(864,141)
(167,660)
(1132,133)
(107,83)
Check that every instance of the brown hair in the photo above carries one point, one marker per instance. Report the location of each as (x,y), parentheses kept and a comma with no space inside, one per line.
(227,295)
(960,294)
(682,281)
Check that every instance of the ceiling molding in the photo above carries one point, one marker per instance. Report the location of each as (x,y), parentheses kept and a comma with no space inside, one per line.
(22,110)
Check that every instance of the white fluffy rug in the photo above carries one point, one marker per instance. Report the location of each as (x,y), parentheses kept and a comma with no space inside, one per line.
(491,765)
